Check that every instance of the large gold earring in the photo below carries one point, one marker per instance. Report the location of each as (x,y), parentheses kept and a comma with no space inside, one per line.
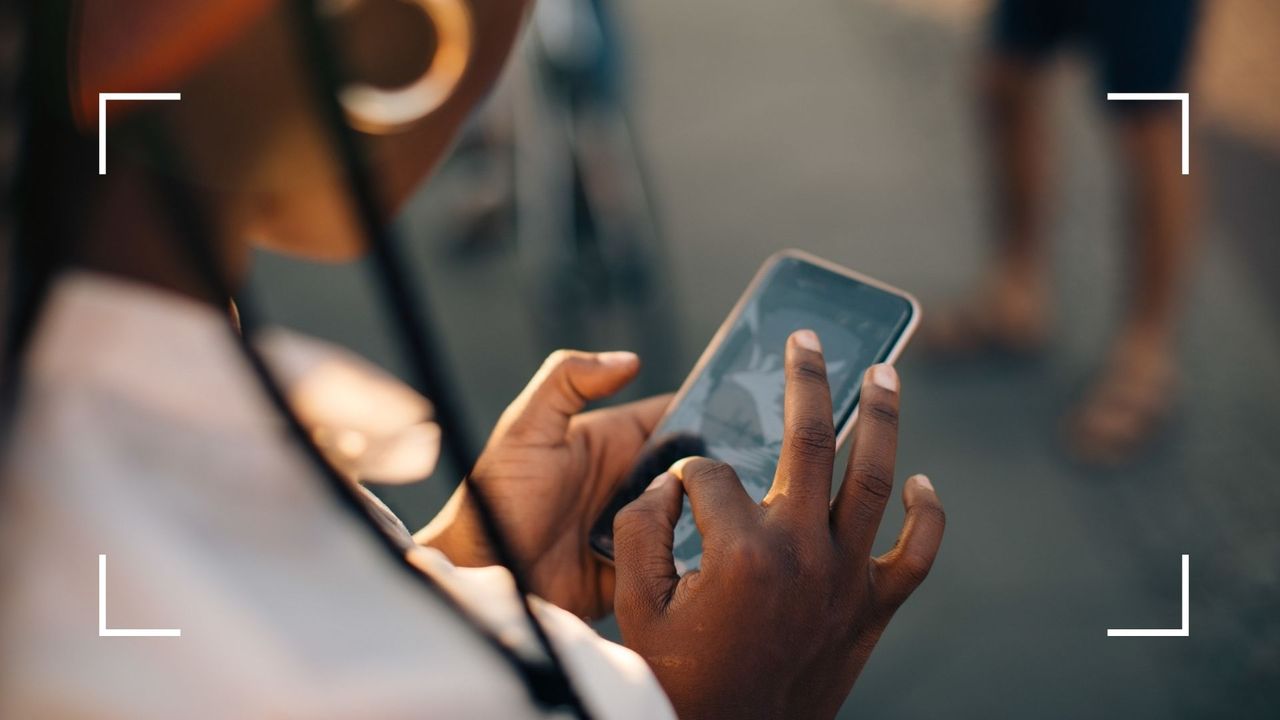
(380,111)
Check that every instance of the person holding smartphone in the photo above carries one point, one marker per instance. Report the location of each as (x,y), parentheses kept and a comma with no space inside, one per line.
(144,429)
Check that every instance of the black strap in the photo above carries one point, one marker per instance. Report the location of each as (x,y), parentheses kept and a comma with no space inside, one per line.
(408,306)
(193,231)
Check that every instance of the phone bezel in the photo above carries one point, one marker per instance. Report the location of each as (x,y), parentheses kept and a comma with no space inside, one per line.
(899,344)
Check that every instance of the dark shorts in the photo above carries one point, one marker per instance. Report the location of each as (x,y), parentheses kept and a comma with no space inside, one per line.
(1137,45)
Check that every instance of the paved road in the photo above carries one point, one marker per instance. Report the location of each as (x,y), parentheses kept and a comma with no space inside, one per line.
(844,127)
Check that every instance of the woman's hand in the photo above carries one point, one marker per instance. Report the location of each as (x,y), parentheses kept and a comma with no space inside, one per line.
(788,603)
(548,472)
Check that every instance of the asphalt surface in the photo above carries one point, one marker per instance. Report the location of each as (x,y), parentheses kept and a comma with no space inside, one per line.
(845,128)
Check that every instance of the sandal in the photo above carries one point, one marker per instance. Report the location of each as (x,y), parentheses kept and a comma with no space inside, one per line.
(1122,412)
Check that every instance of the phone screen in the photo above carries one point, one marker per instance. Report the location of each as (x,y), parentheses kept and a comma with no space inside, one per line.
(732,409)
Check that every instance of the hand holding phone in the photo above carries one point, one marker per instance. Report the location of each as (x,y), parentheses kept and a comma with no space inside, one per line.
(788,604)
(730,407)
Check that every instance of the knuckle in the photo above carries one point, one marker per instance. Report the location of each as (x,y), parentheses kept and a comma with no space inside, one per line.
(559,371)
(914,567)
(810,371)
(747,558)
(705,470)
(932,514)
(558,357)
(633,520)
(882,411)
(556,362)
(873,478)
(813,438)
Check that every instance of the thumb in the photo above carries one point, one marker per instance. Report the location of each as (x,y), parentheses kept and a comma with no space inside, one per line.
(562,387)
(642,537)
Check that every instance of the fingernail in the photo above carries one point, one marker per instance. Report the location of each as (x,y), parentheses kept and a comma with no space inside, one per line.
(885,376)
(677,467)
(808,340)
(923,481)
(617,358)
(660,481)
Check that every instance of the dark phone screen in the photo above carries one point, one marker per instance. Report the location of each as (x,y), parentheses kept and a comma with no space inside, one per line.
(733,410)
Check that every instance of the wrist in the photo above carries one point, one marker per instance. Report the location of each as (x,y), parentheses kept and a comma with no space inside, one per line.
(455,532)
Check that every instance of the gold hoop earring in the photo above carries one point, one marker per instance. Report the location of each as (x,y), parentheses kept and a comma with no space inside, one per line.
(381,111)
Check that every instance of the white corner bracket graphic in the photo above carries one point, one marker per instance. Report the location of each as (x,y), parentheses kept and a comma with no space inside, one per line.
(103,630)
(1185,630)
(1185,99)
(102,118)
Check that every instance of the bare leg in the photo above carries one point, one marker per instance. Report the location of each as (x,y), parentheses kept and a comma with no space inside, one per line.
(1163,213)
(1136,388)
(1008,311)
(1013,109)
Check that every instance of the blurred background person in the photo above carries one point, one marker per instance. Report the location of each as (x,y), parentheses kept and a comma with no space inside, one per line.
(1135,46)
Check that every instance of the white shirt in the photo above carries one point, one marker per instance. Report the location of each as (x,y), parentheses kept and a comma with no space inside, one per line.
(141,435)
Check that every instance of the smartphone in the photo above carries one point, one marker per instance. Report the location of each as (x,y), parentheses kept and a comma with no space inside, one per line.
(730,407)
